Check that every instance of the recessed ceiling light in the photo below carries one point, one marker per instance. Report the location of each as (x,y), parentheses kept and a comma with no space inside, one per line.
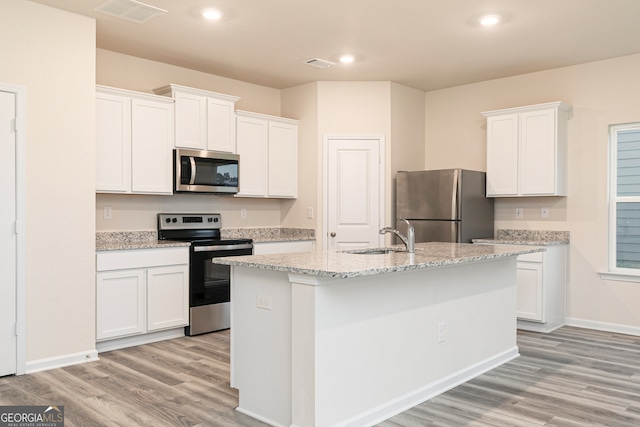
(212,14)
(489,20)
(345,59)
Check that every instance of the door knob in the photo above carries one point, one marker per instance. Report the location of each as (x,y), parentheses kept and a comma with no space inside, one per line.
(332,234)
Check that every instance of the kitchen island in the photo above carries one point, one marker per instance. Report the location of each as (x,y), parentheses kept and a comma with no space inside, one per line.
(350,339)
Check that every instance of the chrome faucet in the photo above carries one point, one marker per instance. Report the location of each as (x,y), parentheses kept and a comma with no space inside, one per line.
(409,241)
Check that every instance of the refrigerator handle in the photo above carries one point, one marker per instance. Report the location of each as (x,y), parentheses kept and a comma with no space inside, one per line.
(454,195)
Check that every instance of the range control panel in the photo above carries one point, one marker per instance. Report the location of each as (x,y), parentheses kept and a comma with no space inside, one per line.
(189,221)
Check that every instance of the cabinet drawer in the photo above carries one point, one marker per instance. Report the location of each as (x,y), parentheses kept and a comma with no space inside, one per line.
(534,257)
(141,258)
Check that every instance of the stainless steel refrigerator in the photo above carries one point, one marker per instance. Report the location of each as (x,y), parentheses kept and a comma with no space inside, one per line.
(446,205)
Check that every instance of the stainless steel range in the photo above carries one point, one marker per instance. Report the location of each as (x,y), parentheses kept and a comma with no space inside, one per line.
(209,284)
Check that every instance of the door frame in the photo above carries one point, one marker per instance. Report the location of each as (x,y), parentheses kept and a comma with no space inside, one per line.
(21,266)
(325,179)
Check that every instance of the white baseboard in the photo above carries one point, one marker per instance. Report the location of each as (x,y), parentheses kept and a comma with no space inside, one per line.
(263,419)
(61,361)
(603,326)
(148,338)
(92,355)
(429,391)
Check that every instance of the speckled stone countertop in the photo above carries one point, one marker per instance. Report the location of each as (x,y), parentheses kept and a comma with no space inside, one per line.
(129,240)
(528,237)
(261,235)
(349,263)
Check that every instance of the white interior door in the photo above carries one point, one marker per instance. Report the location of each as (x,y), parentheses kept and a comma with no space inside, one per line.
(8,237)
(354,197)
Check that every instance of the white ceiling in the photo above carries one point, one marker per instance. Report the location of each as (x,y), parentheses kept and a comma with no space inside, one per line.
(425,44)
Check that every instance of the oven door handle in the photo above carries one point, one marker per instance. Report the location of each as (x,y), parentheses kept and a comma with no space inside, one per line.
(222,247)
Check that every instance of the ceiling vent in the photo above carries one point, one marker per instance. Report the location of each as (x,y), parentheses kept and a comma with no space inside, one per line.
(130,10)
(318,63)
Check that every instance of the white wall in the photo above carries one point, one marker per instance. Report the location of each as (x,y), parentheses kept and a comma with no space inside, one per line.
(142,75)
(301,102)
(52,53)
(601,93)
(407,145)
(352,108)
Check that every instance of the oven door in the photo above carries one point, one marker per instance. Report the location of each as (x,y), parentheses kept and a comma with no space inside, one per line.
(210,288)
(211,283)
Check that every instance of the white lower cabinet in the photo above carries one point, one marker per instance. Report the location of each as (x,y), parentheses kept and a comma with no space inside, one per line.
(530,287)
(541,281)
(542,288)
(167,297)
(139,292)
(120,303)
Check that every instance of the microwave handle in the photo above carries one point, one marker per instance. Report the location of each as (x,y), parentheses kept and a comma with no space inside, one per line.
(192,181)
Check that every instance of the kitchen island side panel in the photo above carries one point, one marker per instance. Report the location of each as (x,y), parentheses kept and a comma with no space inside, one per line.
(261,343)
(365,348)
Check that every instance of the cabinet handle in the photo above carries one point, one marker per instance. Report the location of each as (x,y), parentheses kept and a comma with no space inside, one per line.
(332,234)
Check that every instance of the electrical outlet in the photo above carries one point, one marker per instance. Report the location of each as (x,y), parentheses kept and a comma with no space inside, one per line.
(107,213)
(310,213)
(441,328)
(243,213)
(544,212)
(263,302)
(519,213)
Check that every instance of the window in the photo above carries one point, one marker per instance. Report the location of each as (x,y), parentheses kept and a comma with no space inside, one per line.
(624,199)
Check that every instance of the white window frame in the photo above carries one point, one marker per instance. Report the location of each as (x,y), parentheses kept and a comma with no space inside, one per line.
(617,273)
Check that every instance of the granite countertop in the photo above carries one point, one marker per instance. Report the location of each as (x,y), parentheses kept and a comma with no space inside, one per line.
(344,264)
(528,237)
(129,240)
(273,234)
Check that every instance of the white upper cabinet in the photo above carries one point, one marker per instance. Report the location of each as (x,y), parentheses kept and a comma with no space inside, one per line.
(134,140)
(252,146)
(527,150)
(268,149)
(151,147)
(204,120)
(113,142)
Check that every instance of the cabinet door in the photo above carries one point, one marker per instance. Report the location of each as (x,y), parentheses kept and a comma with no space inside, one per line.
(502,155)
(113,143)
(529,283)
(221,126)
(283,160)
(120,307)
(167,297)
(252,136)
(538,153)
(190,121)
(152,142)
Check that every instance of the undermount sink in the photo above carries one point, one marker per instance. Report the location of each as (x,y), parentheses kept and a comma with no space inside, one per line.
(374,251)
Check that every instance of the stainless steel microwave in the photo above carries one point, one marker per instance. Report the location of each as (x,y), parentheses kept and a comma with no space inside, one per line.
(198,171)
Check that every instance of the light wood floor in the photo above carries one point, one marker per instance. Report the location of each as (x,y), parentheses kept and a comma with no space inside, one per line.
(571,377)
